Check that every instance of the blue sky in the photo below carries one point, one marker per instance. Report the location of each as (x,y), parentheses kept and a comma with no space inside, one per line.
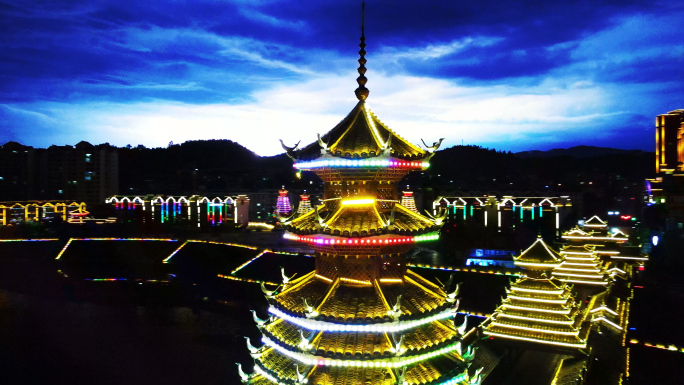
(506,75)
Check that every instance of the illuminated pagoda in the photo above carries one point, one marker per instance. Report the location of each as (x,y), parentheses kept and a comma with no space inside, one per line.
(539,256)
(361,317)
(283,207)
(595,232)
(408,201)
(304,204)
(539,309)
(581,265)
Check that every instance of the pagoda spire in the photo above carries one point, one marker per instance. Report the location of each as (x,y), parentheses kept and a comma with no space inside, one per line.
(362,92)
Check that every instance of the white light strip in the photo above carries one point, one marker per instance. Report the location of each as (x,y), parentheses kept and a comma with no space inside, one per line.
(632,258)
(269,377)
(604,308)
(395,362)
(575,345)
(572,333)
(384,327)
(608,322)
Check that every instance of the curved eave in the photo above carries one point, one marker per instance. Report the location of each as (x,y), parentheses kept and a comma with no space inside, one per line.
(361,135)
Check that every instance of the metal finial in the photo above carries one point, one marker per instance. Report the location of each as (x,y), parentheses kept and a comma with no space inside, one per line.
(362,92)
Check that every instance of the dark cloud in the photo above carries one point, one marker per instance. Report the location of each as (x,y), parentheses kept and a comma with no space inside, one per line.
(205,51)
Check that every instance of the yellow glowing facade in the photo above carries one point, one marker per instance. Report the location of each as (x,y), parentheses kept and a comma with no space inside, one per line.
(35,211)
(361,317)
(669,141)
(581,265)
(539,310)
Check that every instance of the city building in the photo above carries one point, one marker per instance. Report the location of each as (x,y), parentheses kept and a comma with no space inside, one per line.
(362,317)
(670,142)
(82,172)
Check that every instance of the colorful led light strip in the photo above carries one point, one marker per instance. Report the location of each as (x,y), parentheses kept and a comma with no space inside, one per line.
(396,362)
(250,261)
(669,347)
(126,239)
(333,163)
(166,260)
(223,243)
(29,240)
(360,242)
(246,280)
(64,248)
(383,327)
(471,270)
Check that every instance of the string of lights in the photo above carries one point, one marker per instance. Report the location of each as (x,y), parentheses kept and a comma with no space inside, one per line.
(343,163)
(380,240)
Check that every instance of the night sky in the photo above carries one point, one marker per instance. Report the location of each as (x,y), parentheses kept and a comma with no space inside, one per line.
(507,75)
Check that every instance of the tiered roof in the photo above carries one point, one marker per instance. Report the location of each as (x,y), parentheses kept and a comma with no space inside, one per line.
(594,231)
(319,329)
(283,206)
(361,317)
(539,310)
(360,218)
(539,256)
(361,135)
(304,204)
(608,310)
(408,201)
(581,265)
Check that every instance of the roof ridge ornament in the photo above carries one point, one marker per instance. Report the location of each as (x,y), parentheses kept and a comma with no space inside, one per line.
(289,151)
(434,147)
(362,92)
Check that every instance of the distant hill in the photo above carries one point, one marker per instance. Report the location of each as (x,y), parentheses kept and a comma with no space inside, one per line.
(578,152)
